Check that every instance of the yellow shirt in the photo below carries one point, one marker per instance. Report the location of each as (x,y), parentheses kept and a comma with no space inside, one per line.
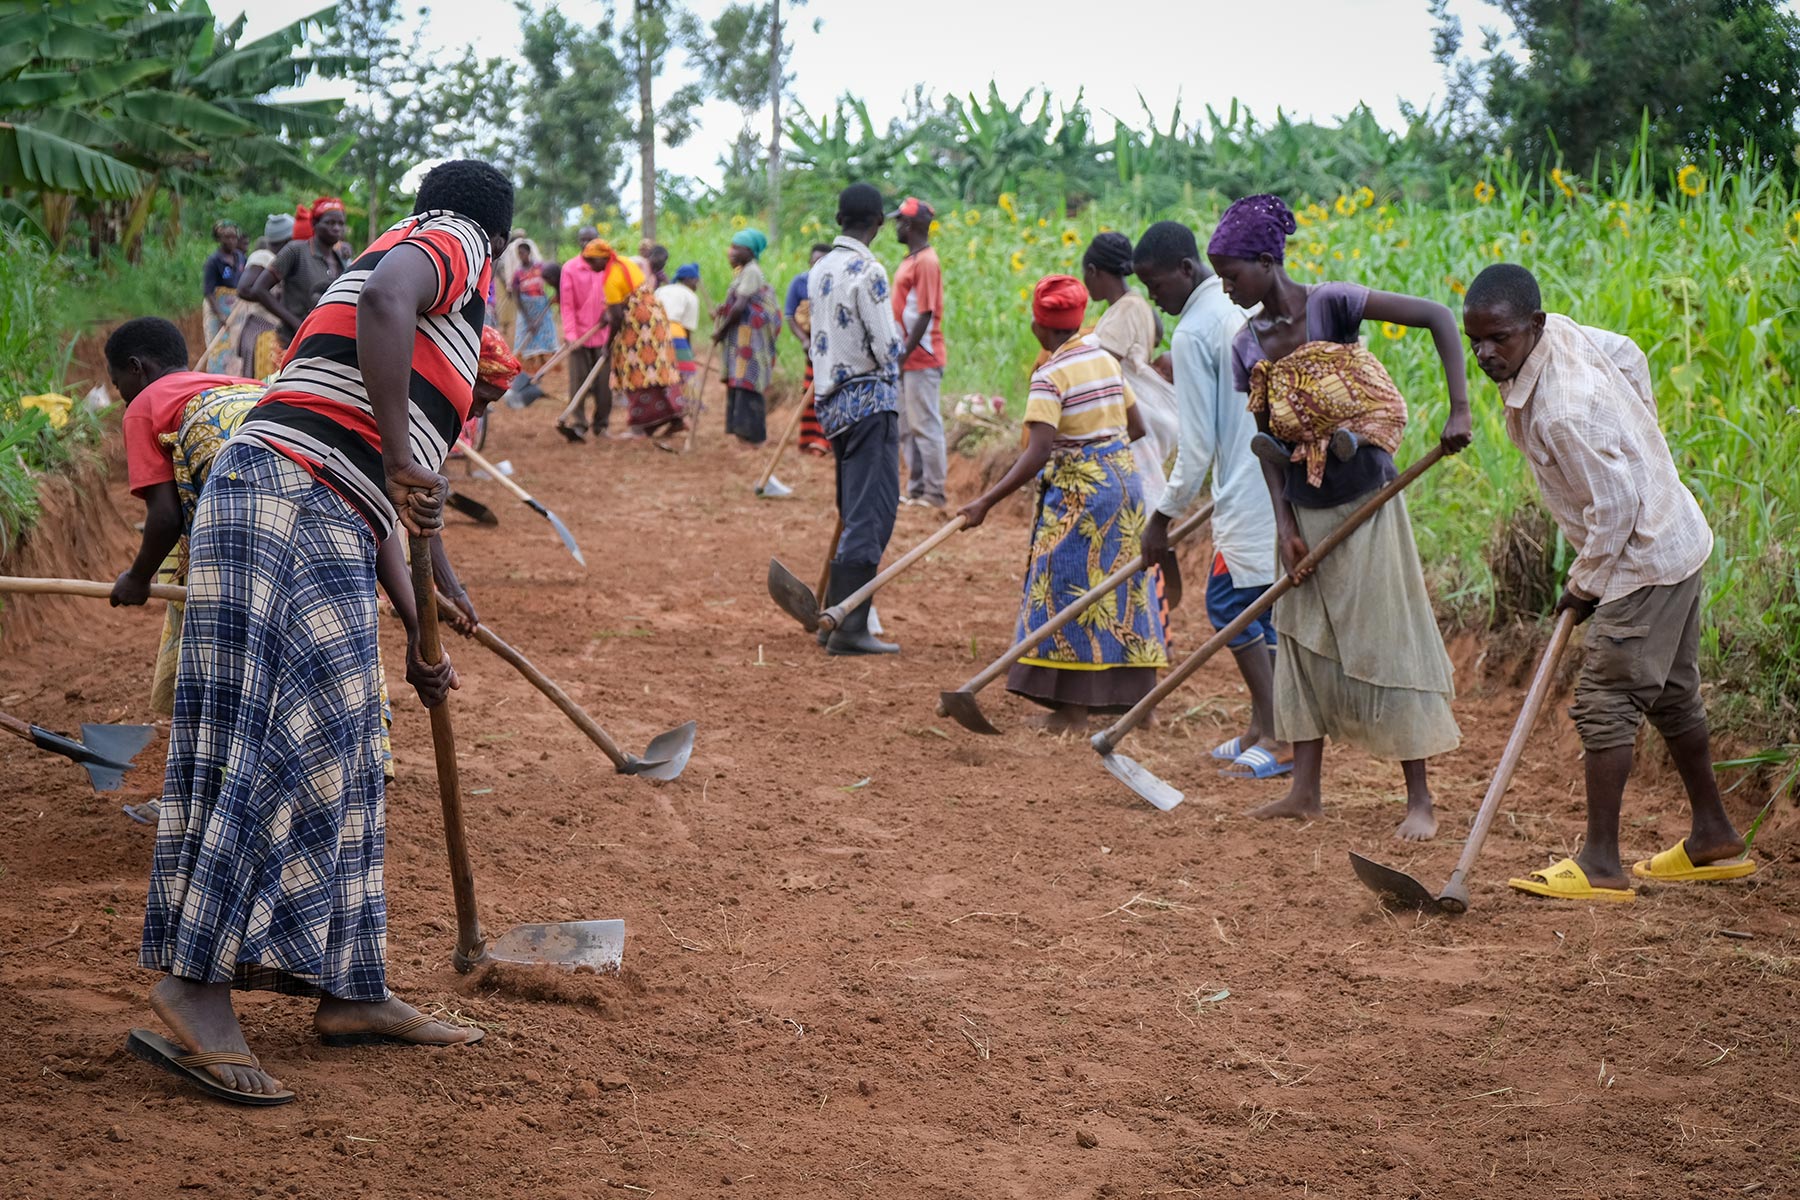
(1082,392)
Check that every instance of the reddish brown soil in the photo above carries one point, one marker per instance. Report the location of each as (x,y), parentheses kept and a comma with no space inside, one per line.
(873,955)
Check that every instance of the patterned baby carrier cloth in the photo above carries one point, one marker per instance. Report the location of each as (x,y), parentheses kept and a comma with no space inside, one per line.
(1323,387)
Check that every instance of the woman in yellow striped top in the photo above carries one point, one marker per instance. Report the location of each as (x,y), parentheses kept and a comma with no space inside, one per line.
(1080,420)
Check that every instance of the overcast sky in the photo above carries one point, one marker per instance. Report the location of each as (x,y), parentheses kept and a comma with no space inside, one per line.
(1313,58)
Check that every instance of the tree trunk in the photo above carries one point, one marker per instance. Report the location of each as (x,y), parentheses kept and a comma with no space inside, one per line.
(374,204)
(775,120)
(646,139)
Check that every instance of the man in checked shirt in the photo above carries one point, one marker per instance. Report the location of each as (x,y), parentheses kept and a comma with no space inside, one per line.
(1578,406)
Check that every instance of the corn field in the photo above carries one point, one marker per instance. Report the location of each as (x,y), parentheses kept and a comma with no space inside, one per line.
(1706,279)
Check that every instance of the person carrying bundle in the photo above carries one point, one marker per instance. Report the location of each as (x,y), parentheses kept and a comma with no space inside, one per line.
(1579,408)
(1361,657)
(1080,419)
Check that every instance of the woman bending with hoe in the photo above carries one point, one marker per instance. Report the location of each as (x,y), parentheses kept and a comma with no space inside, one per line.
(1361,659)
(1080,418)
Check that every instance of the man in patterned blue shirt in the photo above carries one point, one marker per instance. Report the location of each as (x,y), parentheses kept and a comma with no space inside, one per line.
(856,381)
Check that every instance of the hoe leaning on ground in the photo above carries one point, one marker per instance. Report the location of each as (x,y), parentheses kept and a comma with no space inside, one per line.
(1402,889)
(663,759)
(1135,775)
(801,603)
(536,506)
(524,389)
(599,945)
(960,704)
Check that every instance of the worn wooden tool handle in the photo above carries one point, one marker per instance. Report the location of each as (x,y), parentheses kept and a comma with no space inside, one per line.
(837,533)
(1108,738)
(781,443)
(1455,895)
(475,457)
(93,588)
(693,413)
(604,364)
(832,617)
(471,944)
(546,685)
(1077,606)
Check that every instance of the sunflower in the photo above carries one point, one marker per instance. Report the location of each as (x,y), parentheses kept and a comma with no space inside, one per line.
(1562,183)
(1029,237)
(1690,180)
(1070,238)
(1356,252)
(1365,196)
(972,216)
(1456,285)
(1303,219)
(738,221)
(1484,192)
(1526,237)
(1007,205)
(1346,207)
(1622,226)
(935,228)
(1315,248)
(1338,255)
(1793,226)
(1318,212)
(1043,222)
(1018,260)
(1392,332)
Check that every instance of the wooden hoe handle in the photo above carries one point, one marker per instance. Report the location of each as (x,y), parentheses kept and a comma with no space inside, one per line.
(832,617)
(94,588)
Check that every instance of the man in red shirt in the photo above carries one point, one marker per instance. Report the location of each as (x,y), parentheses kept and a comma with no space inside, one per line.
(919,311)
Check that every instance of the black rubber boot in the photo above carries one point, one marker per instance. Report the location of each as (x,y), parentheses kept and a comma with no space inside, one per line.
(853,636)
(832,595)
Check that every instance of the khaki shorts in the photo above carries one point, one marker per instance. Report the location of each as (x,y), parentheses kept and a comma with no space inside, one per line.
(1643,660)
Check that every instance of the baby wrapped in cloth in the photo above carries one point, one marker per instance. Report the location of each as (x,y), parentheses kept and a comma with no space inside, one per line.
(1323,388)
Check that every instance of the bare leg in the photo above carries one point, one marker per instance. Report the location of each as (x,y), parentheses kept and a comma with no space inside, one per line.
(1420,824)
(1712,836)
(1607,771)
(1258,670)
(1303,800)
(336,1016)
(202,1020)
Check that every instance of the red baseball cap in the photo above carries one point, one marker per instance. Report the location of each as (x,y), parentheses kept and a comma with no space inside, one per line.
(912,206)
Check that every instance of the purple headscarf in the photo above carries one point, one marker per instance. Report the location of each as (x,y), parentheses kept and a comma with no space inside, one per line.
(1253,226)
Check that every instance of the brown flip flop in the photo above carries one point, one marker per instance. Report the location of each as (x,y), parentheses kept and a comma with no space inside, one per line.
(396,1034)
(159,1051)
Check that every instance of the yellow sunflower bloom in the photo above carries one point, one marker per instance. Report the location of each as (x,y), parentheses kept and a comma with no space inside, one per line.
(1456,285)
(1338,255)
(737,222)
(1690,180)
(1315,248)
(972,217)
(1356,252)
(1007,205)
(1346,207)
(1526,237)
(1365,196)
(1070,238)
(935,228)
(1018,260)
(1484,192)
(1043,222)
(1622,226)
(1562,183)
(1392,332)
(1303,219)
(1793,226)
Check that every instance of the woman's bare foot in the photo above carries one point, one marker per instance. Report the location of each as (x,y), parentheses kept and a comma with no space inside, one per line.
(1295,805)
(201,1018)
(347,1018)
(1063,721)
(1420,824)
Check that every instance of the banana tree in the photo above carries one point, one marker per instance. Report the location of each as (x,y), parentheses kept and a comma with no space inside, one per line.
(113,101)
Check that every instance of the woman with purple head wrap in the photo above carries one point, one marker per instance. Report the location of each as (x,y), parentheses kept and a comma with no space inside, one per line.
(1361,658)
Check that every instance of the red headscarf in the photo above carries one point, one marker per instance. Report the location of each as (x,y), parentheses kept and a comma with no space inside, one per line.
(302,222)
(498,363)
(1059,302)
(326,204)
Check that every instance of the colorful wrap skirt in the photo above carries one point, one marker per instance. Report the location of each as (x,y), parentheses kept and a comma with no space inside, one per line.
(750,346)
(1090,517)
(267,868)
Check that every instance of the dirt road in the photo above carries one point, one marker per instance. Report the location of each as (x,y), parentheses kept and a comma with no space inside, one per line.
(870,954)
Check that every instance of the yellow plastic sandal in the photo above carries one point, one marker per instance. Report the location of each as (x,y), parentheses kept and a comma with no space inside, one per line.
(1567,881)
(1674,866)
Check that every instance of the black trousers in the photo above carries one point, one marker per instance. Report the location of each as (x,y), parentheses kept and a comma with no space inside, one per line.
(582,361)
(868,487)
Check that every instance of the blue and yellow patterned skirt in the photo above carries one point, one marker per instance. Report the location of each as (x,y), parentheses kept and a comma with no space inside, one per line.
(1090,517)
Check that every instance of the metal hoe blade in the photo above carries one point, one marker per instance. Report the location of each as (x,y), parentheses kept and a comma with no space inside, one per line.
(1394,887)
(1139,779)
(104,751)
(794,598)
(960,706)
(666,756)
(774,490)
(562,531)
(523,391)
(472,508)
(599,945)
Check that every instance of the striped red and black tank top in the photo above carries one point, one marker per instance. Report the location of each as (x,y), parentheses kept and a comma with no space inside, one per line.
(318,409)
